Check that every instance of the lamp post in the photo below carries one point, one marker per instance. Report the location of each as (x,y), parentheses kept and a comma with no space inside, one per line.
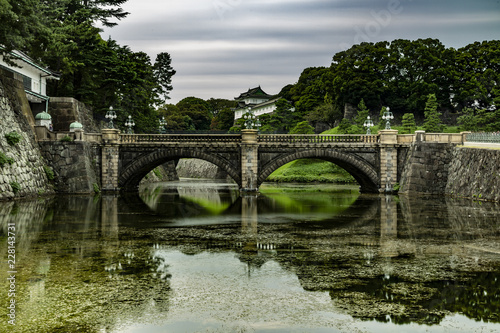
(110,115)
(368,123)
(387,116)
(163,123)
(130,123)
(251,121)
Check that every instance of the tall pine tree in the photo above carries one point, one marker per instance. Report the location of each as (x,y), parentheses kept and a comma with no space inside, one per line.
(432,121)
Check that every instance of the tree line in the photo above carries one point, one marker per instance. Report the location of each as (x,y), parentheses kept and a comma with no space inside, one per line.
(461,85)
(64,36)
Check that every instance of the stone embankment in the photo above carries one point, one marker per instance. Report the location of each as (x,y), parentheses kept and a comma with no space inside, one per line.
(442,169)
(474,173)
(23,171)
(195,168)
(75,165)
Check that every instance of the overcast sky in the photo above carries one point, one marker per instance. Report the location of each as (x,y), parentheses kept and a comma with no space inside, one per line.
(220,48)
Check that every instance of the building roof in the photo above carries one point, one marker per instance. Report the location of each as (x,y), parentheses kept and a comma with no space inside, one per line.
(18,55)
(253,92)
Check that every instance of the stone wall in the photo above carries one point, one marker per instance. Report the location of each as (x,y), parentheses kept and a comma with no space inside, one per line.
(65,110)
(162,173)
(444,169)
(76,165)
(196,168)
(474,173)
(22,172)
(426,168)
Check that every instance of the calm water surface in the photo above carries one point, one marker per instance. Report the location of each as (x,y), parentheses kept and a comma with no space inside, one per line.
(195,256)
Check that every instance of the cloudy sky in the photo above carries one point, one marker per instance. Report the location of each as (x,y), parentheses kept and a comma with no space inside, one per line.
(220,48)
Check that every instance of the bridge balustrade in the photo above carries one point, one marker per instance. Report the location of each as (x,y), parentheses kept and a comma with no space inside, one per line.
(313,138)
(484,137)
(179,138)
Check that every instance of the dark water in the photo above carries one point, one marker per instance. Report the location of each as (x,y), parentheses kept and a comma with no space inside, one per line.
(197,257)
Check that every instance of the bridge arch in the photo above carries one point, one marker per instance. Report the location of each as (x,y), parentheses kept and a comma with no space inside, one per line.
(364,173)
(132,173)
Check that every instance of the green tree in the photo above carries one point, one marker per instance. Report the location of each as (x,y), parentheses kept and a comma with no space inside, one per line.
(216,105)
(408,122)
(361,114)
(20,23)
(283,117)
(360,72)
(478,74)
(197,110)
(223,121)
(326,113)
(432,121)
(302,128)
(163,72)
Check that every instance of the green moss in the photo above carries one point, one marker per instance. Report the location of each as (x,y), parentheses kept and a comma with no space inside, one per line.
(158,174)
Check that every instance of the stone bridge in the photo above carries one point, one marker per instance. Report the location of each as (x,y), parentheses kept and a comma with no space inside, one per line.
(375,161)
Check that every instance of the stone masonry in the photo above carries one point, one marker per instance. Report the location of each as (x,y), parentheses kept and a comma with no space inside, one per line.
(474,173)
(426,168)
(24,175)
(75,165)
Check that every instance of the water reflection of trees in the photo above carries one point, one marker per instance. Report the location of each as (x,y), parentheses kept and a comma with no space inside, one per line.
(76,276)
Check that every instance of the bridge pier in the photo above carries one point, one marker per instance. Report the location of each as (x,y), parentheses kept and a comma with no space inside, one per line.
(388,160)
(110,159)
(249,161)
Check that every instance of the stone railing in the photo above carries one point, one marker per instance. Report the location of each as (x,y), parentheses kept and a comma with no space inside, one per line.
(313,138)
(386,136)
(180,138)
(456,138)
(44,134)
(484,137)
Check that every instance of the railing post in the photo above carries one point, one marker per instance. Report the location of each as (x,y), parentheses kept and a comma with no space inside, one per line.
(249,160)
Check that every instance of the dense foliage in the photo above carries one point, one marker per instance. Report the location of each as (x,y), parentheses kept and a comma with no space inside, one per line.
(402,74)
(63,35)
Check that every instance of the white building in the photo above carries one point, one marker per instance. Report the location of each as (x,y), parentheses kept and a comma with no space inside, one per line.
(34,78)
(255,99)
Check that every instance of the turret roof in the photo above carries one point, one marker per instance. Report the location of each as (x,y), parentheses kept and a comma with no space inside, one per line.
(253,92)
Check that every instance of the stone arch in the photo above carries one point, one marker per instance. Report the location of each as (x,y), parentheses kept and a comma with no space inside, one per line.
(364,173)
(132,173)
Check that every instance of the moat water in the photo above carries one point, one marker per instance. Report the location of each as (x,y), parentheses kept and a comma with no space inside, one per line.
(195,256)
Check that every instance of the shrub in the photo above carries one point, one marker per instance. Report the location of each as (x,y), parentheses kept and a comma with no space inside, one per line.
(97,190)
(49,172)
(13,138)
(66,138)
(15,187)
(5,159)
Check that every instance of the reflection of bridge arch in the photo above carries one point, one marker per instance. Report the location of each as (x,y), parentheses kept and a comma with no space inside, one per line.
(139,166)
(364,173)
